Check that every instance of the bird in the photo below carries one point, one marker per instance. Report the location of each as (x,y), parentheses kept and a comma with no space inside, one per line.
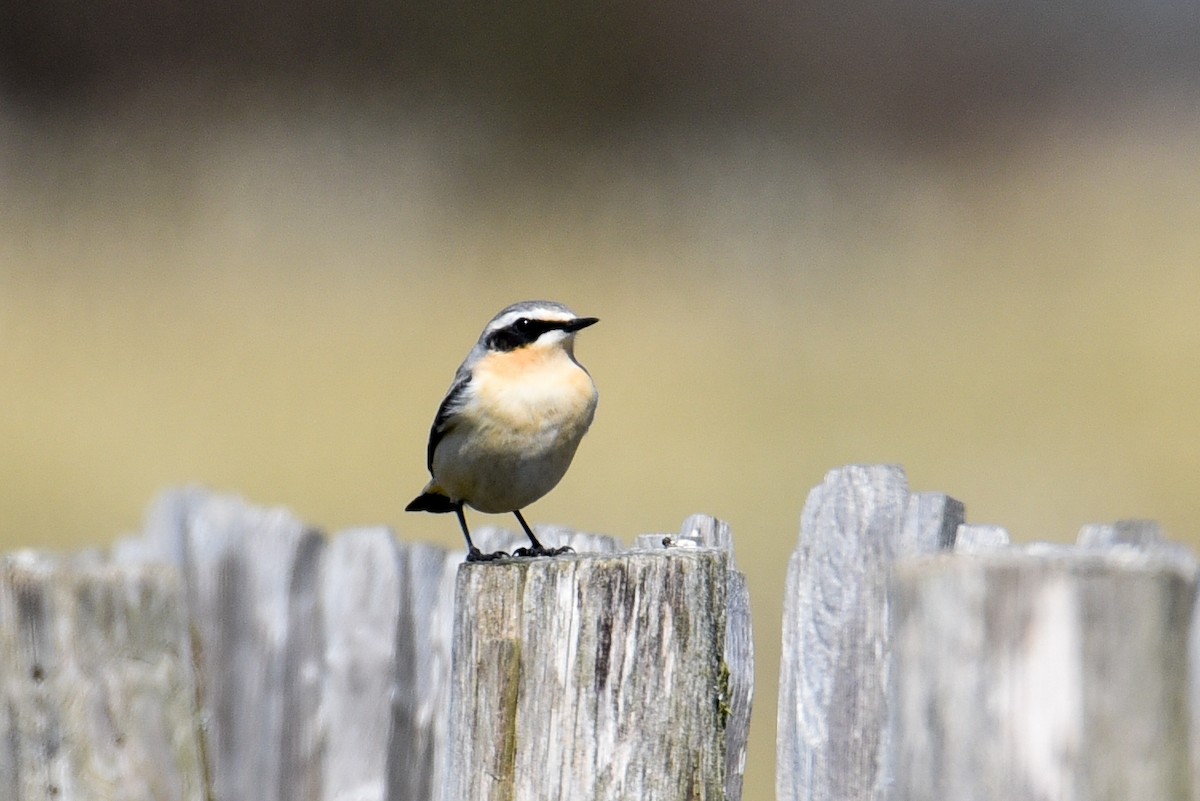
(510,424)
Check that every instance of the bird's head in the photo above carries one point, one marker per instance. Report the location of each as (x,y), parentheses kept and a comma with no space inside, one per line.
(533,324)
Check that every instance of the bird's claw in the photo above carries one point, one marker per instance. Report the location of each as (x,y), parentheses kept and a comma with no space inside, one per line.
(476,555)
(531,551)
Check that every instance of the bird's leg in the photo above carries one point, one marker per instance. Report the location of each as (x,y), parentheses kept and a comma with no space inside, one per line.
(473,553)
(536,548)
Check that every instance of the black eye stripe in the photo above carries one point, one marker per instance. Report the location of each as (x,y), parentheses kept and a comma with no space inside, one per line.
(521,332)
(535,328)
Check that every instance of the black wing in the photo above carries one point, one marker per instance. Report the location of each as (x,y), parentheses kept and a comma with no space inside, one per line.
(444,421)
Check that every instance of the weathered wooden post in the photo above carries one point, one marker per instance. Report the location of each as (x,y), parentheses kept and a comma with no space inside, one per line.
(1052,674)
(833,687)
(386,666)
(253,600)
(595,677)
(739,648)
(97,692)
(417,747)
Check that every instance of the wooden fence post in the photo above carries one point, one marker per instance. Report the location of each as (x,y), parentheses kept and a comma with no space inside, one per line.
(417,748)
(593,677)
(363,596)
(833,687)
(97,692)
(709,532)
(252,593)
(324,667)
(739,648)
(1043,673)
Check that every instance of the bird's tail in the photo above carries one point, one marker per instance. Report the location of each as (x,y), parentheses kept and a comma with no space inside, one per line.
(431,500)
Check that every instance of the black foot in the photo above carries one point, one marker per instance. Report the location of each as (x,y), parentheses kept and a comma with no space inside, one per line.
(531,551)
(476,555)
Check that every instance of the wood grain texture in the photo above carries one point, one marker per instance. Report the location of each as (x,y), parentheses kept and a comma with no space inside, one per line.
(97,692)
(364,603)
(591,677)
(327,665)
(1042,673)
(253,597)
(833,694)
(710,532)
(418,747)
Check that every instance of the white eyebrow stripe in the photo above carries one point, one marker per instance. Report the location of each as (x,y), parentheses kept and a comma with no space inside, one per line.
(535,313)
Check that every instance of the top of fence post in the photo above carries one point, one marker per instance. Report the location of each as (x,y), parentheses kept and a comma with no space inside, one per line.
(616,675)
(97,689)
(833,701)
(1043,672)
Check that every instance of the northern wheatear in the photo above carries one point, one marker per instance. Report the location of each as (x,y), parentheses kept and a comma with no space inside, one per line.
(508,428)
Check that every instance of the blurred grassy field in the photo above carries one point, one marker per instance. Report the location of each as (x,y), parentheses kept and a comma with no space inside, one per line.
(275,306)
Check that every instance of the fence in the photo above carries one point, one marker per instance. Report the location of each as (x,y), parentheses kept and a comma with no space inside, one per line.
(233,653)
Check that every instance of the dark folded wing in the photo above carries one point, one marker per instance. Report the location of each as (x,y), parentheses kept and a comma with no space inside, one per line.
(446,413)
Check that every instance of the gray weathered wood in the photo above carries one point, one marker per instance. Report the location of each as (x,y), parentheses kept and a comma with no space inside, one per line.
(165,530)
(591,677)
(387,622)
(347,690)
(328,666)
(1137,536)
(97,692)
(739,648)
(931,522)
(364,603)
(253,597)
(980,538)
(1042,673)
(1146,537)
(833,703)
(418,749)
(252,580)
(1136,533)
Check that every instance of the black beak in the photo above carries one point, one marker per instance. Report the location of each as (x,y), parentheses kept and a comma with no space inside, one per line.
(579,323)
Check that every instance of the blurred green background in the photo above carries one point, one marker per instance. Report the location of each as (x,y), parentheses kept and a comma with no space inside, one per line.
(247,245)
